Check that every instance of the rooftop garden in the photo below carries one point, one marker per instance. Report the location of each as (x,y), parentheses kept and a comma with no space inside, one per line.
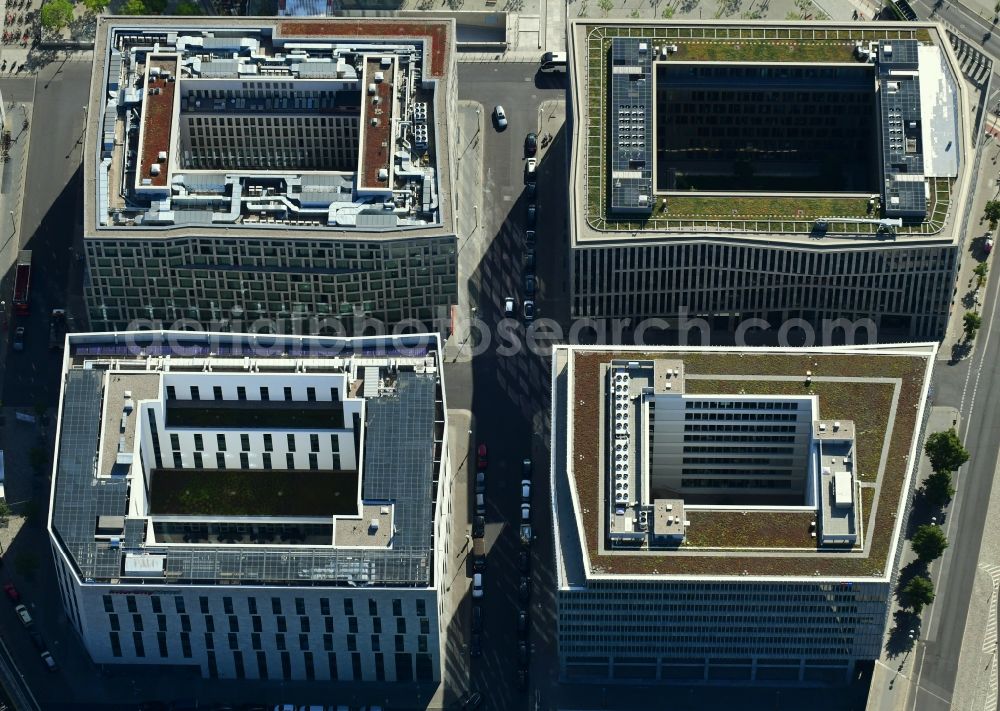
(253,492)
(867,404)
(732,213)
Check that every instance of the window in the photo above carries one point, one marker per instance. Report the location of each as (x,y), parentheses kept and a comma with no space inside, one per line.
(313,461)
(130,603)
(140,650)
(245,442)
(268,443)
(116,645)
(137,622)
(324,606)
(186,645)
(199,462)
(171,392)
(209,641)
(175,441)
(256,623)
(203,601)
(234,642)
(377,625)
(303,642)
(109,605)
(311,394)
(238,664)
(376,644)
(399,642)
(178,462)
(288,394)
(113,621)
(244,460)
(255,640)
(348,606)
(352,624)
(186,623)
(209,623)
(397,607)
(291,442)
(220,460)
(332,661)
(401,625)
(161,623)
(304,623)
(262,664)
(352,643)
(372,607)
(300,606)
(220,442)
(199,442)
(334,443)
(282,624)
(227,605)
(289,460)
(329,624)
(161,642)
(425,626)
(286,665)
(313,443)
(279,641)
(217,392)
(195,395)
(252,605)
(276,605)
(241,392)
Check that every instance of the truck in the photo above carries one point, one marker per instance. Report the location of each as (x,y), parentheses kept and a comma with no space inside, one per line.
(22,282)
(57,329)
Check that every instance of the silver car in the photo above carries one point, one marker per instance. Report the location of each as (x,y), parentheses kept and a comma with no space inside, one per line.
(500,116)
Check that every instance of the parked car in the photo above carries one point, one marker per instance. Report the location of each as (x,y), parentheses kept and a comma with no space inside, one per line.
(524,589)
(530,144)
(530,171)
(525,491)
(19,338)
(553,62)
(500,116)
(524,562)
(526,468)
(525,513)
(22,612)
(529,239)
(531,189)
(50,663)
(12,592)
(477,618)
(481,458)
(526,534)
(529,311)
(522,623)
(509,306)
(480,482)
(478,526)
(532,215)
(476,645)
(477,585)
(480,504)
(529,285)
(522,654)
(38,641)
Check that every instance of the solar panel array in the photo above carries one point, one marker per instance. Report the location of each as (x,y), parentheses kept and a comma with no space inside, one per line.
(902,144)
(399,467)
(630,142)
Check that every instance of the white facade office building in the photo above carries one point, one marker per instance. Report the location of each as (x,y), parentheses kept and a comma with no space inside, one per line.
(255,510)
(730,516)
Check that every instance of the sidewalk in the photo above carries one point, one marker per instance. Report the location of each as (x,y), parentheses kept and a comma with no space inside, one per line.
(472,241)
(892,677)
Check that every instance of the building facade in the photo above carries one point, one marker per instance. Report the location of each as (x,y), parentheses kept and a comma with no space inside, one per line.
(734,582)
(258,511)
(734,180)
(270,170)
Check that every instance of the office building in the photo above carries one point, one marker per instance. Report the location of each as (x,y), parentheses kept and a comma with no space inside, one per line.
(725,515)
(270,169)
(254,508)
(774,170)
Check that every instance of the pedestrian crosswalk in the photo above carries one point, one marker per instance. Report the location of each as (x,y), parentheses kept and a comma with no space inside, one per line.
(990,638)
(976,66)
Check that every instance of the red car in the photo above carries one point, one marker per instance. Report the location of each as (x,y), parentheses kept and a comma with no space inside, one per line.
(12,592)
(481,456)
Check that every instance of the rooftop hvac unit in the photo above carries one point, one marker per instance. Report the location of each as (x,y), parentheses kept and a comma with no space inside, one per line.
(643,46)
(371,88)
(154,169)
(379,77)
(375,121)
(161,156)
(386,62)
(836,426)
(383,174)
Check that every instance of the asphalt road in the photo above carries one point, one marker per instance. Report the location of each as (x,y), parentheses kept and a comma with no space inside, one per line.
(50,213)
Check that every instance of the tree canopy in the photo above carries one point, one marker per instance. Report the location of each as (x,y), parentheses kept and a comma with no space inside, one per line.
(929,542)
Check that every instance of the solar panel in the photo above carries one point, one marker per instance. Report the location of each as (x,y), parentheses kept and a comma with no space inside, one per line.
(902,149)
(630,145)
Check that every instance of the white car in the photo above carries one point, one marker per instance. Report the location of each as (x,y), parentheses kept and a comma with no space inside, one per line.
(477,585)
(508,306)
(501,117)
(525,491)
(530,170)
(22,612)
(525,513)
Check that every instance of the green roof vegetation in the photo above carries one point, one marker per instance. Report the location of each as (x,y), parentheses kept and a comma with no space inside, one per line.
(253,492)
(867,404)
(734,43)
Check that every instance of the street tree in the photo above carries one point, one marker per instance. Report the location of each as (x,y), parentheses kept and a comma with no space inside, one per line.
(917,593)
(187,7)
(134,7)
(938,488)
(981,270)
(945,451)
(56,14)
(992,212)
(929,542)
(971,323)
(94,6)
